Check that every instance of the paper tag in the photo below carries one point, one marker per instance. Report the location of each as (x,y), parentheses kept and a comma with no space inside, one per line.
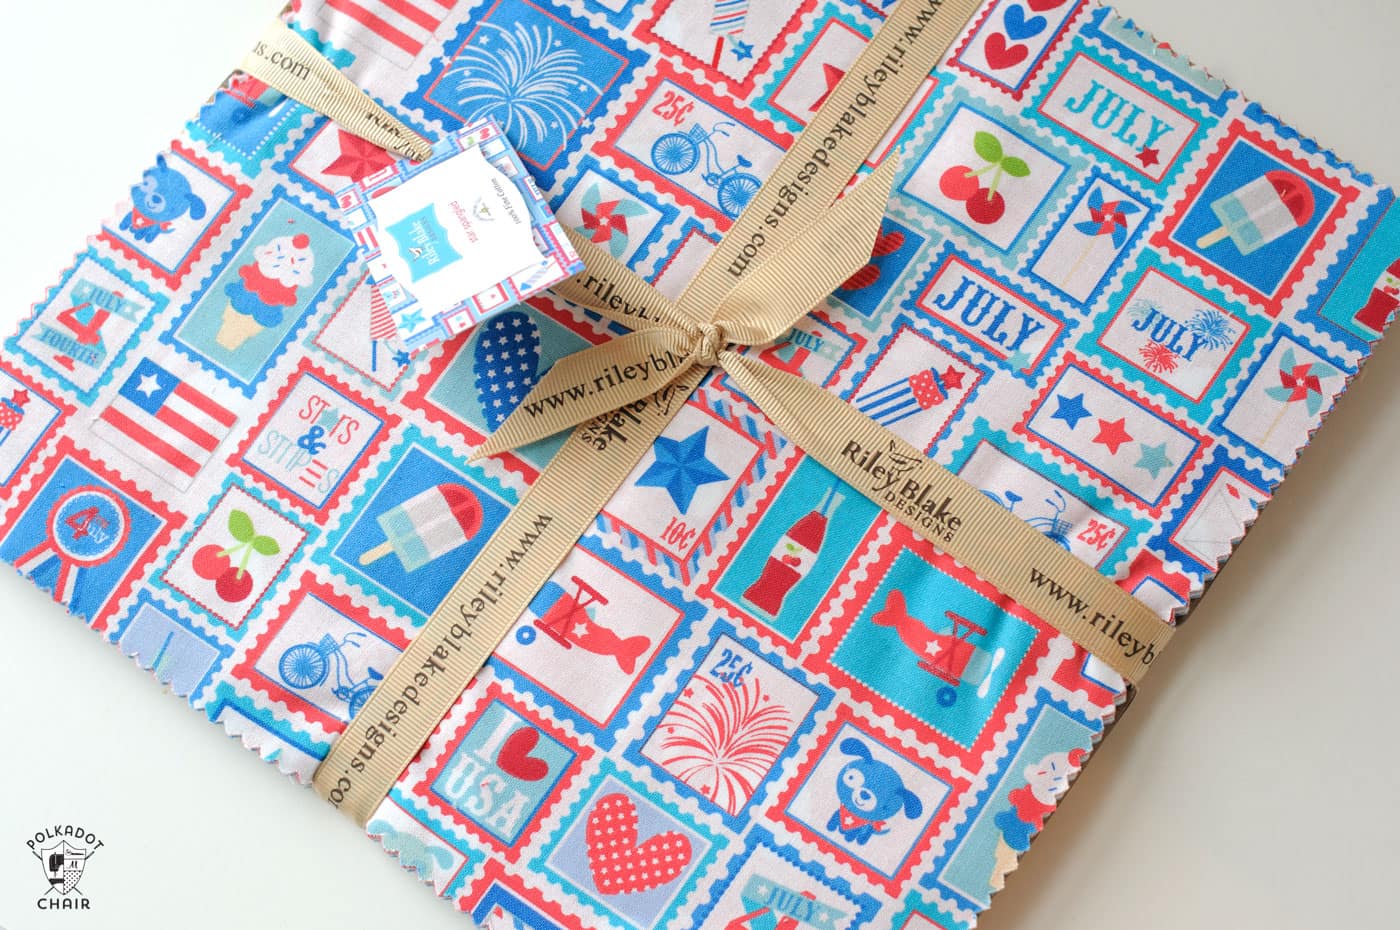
(458,237)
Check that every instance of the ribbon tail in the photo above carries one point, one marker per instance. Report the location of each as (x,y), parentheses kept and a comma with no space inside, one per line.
(769,300)
(608,287)
(955,516)
(590,383)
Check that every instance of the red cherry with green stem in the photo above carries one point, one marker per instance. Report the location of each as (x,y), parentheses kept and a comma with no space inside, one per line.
(959,183)
(234,585)
(210,561)
(986,210)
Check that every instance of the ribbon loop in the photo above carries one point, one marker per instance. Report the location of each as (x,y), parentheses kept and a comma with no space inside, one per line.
(709,343)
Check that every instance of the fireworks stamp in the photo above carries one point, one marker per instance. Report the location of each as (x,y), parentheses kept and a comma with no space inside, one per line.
(727,732)
(1171,330)
(543,74)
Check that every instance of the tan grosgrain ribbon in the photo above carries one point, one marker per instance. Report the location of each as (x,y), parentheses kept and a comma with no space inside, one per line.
(793,245)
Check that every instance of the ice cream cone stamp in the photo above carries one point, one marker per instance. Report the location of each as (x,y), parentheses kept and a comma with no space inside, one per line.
(265,288)
(1030,804)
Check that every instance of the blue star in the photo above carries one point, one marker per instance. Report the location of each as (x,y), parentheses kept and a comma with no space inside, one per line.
(1154,459)
(402,358)
(411,321)
(681,467)
(1071,409)
(742,50)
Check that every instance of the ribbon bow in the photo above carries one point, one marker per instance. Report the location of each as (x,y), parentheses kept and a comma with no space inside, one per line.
(671,338)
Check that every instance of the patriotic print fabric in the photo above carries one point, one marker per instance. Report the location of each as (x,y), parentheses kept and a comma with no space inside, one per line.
(1109,291)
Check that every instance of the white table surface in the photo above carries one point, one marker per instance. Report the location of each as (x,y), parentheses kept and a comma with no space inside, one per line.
(1259,798)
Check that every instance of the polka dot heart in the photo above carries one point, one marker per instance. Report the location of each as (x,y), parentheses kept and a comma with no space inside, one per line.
(620,864)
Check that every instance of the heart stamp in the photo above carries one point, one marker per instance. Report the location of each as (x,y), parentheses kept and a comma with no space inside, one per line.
(515,760)
(1002,55)
(1019,27)
(620,864)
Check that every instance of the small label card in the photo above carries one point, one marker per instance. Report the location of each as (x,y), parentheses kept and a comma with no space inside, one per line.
(457,237)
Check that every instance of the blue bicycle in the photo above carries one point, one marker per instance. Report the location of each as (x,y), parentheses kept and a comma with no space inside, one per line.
(678,152)
(1054,526)
(307,665)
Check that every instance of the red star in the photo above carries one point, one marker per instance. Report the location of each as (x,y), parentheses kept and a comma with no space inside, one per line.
(1300,381)
(604,221)
(358,158)
(1113,434)
(952,379)
(1148,157)
(20,397)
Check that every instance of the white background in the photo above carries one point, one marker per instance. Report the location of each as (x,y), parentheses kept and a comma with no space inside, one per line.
(1262,798)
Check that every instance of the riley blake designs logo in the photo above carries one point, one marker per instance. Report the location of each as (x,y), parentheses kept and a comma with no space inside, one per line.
(63,852)
(891,477)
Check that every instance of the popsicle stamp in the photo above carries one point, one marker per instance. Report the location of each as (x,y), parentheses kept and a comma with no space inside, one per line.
(678,137)
(322,655)
(83,534)
(1008,327)
(312,440)
(774,885)
(779,563)
(234,555)
(1140,451)
(871,807)
(926,642)
(177,209)
(1256,216)
(84,328)
(1011,43)
(500,772)
(243,317)
(725,735)
(626,852)
(1168,329)
(1067,510)
(586,69)
(594,622)
(415,527)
